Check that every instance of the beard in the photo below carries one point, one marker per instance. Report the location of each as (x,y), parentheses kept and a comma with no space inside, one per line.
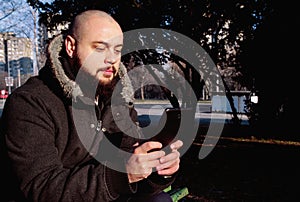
(105,90)
(91,86)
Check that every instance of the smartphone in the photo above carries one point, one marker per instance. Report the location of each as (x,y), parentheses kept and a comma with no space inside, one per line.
(169,125)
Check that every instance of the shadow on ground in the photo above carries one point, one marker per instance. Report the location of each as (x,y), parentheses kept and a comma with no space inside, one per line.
(240,169)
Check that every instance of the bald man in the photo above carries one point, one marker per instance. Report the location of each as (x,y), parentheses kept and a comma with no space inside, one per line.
(67,138)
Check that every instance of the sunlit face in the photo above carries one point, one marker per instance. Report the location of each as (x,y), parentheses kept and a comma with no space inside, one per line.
(98,49)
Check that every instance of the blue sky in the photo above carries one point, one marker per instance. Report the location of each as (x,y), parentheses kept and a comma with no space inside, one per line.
(21,21)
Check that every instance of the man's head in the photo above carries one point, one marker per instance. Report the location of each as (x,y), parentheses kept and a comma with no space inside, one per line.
(94,44)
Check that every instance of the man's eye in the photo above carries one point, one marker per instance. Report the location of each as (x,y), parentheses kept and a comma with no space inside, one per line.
(118,50)
(100,48)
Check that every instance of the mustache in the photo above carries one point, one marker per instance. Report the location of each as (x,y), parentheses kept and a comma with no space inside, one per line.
(112,67)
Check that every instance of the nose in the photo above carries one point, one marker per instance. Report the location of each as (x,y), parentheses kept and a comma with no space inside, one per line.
(111,57)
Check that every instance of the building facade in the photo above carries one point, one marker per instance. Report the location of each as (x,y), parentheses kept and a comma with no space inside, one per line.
(16,56)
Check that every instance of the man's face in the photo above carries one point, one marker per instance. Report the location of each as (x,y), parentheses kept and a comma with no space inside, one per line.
(98,49)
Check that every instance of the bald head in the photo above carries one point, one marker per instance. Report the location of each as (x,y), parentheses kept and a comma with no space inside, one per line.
(94,45)
(83,21)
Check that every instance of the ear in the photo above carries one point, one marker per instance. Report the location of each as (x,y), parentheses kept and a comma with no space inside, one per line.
(70,44)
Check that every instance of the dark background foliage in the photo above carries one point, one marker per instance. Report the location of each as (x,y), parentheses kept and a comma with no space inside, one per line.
(262,36)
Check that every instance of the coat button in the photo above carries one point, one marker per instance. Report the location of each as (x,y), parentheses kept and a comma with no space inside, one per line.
(92,125)
(103,129)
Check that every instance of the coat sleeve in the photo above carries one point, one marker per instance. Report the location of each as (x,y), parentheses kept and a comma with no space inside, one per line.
(37,156)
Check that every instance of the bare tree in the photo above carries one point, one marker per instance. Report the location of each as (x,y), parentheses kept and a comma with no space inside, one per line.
(16,16)
(19,17)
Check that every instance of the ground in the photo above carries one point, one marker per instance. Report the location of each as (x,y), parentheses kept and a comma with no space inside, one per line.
(242,168)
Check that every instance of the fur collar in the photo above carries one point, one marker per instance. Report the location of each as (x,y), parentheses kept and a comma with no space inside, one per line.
(70,88)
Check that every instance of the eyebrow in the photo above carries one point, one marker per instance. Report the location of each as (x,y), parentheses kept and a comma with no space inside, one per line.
(106,44)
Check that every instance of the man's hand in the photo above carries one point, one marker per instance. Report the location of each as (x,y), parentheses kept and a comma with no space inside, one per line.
(141,163)
(169,164)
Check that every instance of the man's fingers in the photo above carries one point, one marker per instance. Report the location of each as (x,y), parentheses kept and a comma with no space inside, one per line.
(147,146)
(176,145)
(169,171)
(170,157)
(136,144)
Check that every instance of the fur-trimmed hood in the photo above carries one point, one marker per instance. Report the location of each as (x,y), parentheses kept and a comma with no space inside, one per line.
(70,88)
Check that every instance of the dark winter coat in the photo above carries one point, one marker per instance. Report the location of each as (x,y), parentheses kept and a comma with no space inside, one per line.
(52,136)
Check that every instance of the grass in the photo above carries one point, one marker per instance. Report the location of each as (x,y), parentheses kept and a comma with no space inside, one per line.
(241,169)
(257,140)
